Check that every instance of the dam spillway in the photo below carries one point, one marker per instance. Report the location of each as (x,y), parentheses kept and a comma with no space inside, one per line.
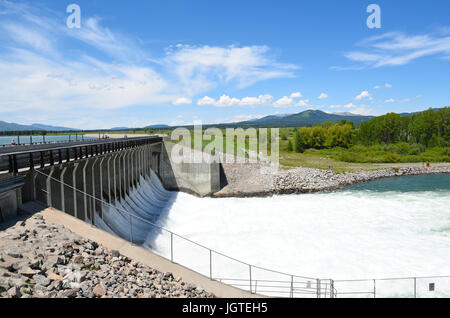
(146,203)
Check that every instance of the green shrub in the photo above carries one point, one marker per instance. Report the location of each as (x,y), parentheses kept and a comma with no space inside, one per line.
(290,148)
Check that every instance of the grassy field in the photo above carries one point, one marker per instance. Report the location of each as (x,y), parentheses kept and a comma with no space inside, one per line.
(363,158)
(355,158)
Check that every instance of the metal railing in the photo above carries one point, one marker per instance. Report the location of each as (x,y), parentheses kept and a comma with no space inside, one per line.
(257,280)
(42,140)
(27,157)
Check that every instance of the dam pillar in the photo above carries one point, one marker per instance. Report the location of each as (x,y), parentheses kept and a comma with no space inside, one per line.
(54,188)
(29,187)
(10,196)
(67,193)
(141,156)
(40,186)
(142,161)
(117,187)
(122,174)
(99,188)
(88,179)
(79,193)
(107,180)
(136,154)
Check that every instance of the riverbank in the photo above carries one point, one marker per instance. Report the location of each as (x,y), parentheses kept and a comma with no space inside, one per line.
(44,260)
(259,180)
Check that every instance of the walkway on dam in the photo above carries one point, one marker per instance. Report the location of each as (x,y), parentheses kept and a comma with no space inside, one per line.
(142,255)
(5,151)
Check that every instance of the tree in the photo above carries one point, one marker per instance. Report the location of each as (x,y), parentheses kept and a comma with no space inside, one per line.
(290,148)
(318,137)
(299,142)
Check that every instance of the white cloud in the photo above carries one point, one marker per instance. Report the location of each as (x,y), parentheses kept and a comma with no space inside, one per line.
(40,74)
(283,102)
(303,103)
(296,95)
(363,95)
(376,87)
(182,101)
(390,100)
(227,101)
(397,48)
(348,106)
(387,85)
(362,111)
(239,118)
(323,96)
(202,67)
(262,100)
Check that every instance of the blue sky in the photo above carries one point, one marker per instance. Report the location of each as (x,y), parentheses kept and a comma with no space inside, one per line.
(136,63)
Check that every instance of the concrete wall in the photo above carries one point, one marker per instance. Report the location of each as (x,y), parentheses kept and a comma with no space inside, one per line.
(9,202)
(201,179)
(110,177)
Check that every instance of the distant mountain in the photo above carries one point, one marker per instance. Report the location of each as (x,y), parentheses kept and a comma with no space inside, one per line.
(413,113)
(51,128)
(120,128)
(346,114)
(308,117)
(4,126)
(157,126)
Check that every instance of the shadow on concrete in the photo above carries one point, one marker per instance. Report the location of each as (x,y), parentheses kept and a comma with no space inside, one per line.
(13,221)
(223,177)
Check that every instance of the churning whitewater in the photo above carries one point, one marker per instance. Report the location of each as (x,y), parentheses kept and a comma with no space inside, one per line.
(388,228)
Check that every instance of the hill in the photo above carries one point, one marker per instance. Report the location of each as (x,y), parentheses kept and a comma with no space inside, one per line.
(308,117)
(4,126)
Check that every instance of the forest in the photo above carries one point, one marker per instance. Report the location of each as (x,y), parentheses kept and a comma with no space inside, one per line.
(423,136)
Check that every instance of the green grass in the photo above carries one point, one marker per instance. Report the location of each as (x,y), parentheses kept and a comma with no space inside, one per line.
(357,157)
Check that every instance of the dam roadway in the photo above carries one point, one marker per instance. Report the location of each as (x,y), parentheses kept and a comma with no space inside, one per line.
(14,158)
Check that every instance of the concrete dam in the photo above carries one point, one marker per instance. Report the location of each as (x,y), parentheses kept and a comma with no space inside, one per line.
(88,179)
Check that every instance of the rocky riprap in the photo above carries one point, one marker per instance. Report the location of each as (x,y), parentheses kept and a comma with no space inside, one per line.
(42,260)
(259,180)
(305,180)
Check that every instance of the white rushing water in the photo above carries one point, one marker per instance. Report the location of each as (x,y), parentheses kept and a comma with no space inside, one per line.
(354,234)
(341,235)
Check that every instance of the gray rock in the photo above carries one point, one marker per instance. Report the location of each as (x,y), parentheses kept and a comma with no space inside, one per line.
(68,293)
(14,292)
(13,253)
(41,280)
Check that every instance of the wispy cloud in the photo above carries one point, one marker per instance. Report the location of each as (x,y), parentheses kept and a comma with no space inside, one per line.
(100,68)
(323,96)
(227,101)
(364,95)
(182,101)
(397,48)
(203,67)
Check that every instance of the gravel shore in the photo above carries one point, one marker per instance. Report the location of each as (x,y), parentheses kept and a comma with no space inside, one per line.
(41,260)
(258,180)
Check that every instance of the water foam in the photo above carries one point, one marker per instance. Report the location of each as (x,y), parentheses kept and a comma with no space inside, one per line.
(348,234)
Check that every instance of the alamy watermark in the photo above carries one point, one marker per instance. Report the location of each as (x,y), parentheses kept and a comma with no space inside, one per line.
(74,19)
(230,145)
(374,20)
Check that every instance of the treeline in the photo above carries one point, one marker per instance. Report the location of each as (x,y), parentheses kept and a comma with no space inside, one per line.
(430,128)
(25,133)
